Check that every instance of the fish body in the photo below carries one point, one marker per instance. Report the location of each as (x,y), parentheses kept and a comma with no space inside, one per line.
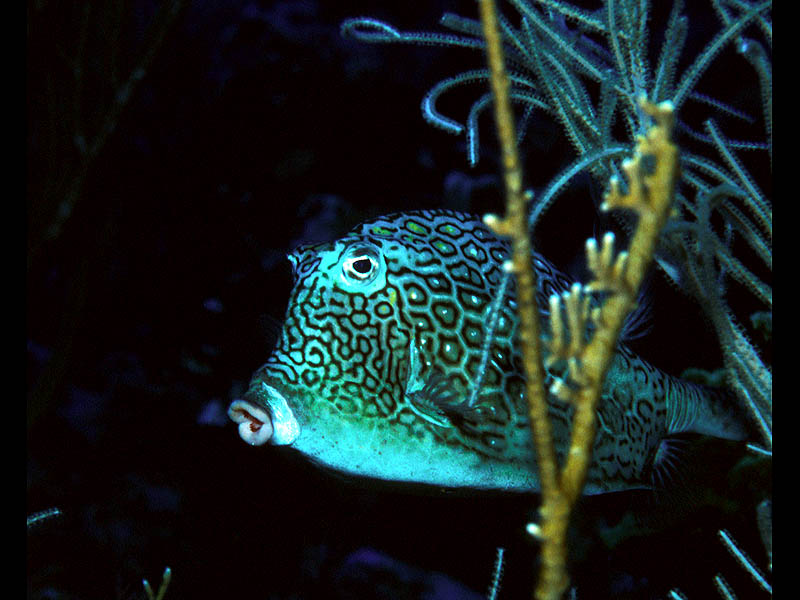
(398,360)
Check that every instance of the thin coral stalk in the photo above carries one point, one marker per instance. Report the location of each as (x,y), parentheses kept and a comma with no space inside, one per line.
(162,588)
(514,225)
(650,196)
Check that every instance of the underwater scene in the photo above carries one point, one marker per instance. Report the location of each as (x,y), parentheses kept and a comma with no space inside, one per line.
(275,349)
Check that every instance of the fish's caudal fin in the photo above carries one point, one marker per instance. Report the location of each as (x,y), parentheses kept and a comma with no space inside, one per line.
(708,411)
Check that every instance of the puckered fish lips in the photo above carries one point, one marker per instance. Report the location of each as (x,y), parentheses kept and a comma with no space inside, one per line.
(258,425)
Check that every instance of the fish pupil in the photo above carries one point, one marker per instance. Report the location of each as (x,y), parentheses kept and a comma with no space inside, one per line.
(362,265)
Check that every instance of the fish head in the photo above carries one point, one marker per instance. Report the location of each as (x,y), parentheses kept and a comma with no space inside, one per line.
(374,369)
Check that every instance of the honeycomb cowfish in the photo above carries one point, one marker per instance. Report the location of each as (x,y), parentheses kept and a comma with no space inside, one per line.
(398,360)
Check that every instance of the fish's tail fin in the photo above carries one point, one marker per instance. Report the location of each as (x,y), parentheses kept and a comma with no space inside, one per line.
(709,411)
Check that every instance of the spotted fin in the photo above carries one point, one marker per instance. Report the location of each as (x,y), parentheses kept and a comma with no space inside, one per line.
(440,394)
(433,396)
(418,390)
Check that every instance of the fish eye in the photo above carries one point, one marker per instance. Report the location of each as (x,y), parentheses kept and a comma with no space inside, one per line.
(360,265)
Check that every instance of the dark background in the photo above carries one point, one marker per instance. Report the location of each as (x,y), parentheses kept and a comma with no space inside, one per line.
(160,210)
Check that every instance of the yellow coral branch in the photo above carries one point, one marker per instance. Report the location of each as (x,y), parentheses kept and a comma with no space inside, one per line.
(553,578)
(514,225)
(650,196)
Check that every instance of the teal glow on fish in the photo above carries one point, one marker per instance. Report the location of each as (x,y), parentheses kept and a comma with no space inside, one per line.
(398,361)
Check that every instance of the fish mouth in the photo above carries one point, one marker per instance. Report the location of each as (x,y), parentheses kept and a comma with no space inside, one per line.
(274,423)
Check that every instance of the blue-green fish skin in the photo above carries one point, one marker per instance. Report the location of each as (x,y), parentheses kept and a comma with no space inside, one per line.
(381,368)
